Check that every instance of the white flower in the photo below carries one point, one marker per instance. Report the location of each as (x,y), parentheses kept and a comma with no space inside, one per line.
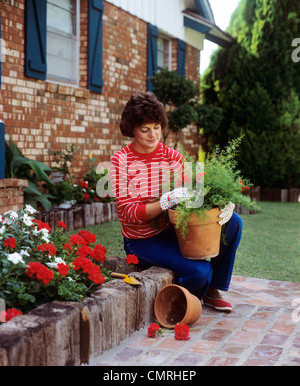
(27,219)
(57,260)
(51,265)
(24,253)
(44,233)
(30,209)
(15,258)
(2,230)
(11,214)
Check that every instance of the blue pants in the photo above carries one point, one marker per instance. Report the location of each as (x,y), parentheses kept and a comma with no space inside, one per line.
(197,276)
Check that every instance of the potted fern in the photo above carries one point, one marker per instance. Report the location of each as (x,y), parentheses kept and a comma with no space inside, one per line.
(218,183)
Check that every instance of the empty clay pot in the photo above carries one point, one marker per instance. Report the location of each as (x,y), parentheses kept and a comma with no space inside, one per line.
(175,304)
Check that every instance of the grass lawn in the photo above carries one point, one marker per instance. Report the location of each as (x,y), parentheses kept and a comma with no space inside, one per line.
(269,249)
(270,245)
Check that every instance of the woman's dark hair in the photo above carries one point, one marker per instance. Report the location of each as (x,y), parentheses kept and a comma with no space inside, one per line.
(140,109)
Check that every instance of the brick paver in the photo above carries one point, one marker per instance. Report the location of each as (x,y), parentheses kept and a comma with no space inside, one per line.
(262,330)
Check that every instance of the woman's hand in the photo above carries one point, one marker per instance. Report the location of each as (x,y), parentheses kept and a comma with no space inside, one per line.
(226,213)
(170,199)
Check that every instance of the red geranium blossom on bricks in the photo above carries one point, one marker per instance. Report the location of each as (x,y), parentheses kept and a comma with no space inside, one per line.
(132,259)
(10,242)
(182,331)
(47,248)
(152,329)
(40,271)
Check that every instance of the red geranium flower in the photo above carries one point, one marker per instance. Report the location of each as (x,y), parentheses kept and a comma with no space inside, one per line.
(182,331)
(85,251)
(152,330)
(63,269)
(88,237)
(12,313)
(67,246)
(86,197)
(62,224)
(93,271)
(50,248)
(40,271)
(41,225)
(76,240)
(10,242)
(132,259)
(84,185)
(100,253)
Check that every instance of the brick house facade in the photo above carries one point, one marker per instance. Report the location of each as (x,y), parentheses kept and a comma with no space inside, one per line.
(43,115)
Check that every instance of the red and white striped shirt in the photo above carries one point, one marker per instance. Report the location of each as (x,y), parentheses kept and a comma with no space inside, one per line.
(136,180)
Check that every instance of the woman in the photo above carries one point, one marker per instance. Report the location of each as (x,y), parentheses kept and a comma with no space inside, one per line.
(136,177)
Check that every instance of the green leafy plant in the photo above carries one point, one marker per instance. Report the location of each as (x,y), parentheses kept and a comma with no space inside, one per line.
(222,184)
(86,190)
(18,166)
(63,158)
(63,191)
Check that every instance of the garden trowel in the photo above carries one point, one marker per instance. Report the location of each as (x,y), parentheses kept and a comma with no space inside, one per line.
(127,279)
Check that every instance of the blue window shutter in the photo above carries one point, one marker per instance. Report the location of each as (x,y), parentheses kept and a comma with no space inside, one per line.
(181,55)
(0,55)
(2,150)
(95,81)
(35,45)
(151,54)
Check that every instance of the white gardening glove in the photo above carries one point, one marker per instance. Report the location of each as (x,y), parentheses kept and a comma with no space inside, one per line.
(226,213)
(170,199)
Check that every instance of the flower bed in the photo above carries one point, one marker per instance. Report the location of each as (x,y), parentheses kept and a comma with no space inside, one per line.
(57,282)
(37,266)
(70,334)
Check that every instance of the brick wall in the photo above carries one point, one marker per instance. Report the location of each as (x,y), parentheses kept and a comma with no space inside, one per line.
(41,116)
(12,194)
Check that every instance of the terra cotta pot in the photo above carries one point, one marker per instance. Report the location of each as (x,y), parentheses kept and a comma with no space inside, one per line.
(203,238)
(175,304)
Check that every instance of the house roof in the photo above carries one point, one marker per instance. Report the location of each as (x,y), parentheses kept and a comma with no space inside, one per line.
(199,16)
(189,20)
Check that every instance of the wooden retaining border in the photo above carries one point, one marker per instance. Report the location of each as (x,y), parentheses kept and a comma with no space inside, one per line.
(80,216)
(71,334)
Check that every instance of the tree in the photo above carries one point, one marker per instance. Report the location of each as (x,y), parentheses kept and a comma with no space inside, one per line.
(177,94)
(257,84)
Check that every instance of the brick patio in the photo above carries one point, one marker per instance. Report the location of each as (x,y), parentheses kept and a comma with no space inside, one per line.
(263,329)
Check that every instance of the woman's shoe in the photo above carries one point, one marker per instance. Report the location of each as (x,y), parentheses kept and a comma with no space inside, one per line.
(217,304)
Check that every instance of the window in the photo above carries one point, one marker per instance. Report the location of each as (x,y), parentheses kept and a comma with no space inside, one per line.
(52,41)
(164,49)
(63,41)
